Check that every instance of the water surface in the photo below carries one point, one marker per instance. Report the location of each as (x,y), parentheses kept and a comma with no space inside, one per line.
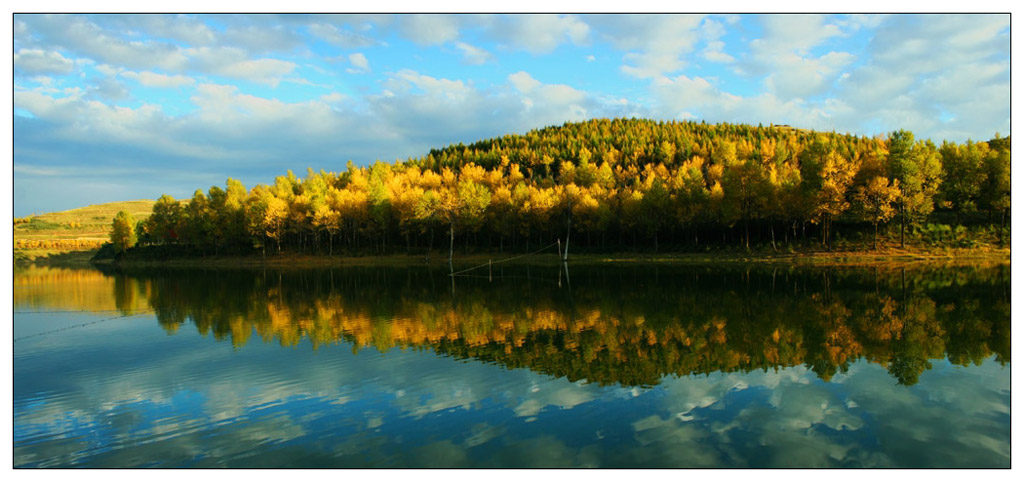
(528,366)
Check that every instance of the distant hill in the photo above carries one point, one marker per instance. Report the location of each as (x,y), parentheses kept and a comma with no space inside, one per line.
(611,185)
(76,229)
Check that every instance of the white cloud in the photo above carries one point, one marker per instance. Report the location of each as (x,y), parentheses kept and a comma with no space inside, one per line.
(183,28)
(549,97)
(152,79)
(784,34)
(267,71)
(35,62)
(916,71)
(434,87)
(257,39)
(109,70)
(655,44)
(714,49)
(430,29)
(714,52)
(684,97)
(473,55)
(859,21)
(143,126)
(233,62)
(801,77)
(340,38)
(360,65)
(109,89)
(81,36)
(783,53)
(523,82)
(540,34)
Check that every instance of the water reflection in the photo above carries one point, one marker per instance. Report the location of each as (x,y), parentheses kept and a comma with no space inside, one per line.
(635,366)
(629,326)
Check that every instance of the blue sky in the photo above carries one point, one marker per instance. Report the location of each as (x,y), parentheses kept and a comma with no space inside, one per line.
(117,107)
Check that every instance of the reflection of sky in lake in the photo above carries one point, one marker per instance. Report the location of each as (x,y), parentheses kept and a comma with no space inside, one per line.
(124,393)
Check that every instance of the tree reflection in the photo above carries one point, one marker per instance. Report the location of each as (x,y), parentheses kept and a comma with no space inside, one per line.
(618,325)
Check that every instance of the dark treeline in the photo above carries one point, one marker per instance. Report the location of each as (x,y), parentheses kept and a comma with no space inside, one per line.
(610,325)
(607,185)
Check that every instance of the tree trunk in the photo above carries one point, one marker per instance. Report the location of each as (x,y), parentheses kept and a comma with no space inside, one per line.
(903,224)
(430,244)
(451,242)
(824,233)
(1002,227)
(568,231)
(746,234)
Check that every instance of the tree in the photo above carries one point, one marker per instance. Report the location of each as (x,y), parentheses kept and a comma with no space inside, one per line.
(746,189)
(122,232)
(918,168)
(627,178)
(200,223)
(655,207)
(875,202)
(691,194)
(995,195)
(963,169)
(472,203)
(826,177)
(164,224)
(783,185)
(267,214)
(234,217)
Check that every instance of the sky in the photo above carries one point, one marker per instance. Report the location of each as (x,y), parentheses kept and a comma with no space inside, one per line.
(119,107)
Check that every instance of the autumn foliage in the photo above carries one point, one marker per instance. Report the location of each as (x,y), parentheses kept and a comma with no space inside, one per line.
(624,184)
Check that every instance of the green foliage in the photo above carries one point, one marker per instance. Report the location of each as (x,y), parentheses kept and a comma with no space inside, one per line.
(122,232)
(945,235)
(965,174)
(37,224)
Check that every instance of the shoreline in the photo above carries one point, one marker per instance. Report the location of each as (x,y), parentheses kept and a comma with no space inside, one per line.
(439,260)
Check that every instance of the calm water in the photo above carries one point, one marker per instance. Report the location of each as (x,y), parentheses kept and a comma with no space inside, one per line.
(637,366)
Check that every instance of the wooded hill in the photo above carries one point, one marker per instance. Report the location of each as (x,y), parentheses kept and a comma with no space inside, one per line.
(604,185)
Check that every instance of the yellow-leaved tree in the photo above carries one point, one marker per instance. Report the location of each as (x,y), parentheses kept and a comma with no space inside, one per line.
(876,200)
(122,232)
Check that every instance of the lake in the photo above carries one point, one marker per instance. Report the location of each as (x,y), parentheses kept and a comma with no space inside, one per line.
(632,365)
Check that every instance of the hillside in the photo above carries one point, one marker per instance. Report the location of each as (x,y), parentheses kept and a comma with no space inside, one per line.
(600,186)
(81,229)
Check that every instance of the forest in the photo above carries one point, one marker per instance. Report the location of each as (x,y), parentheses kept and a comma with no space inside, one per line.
(605,186)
